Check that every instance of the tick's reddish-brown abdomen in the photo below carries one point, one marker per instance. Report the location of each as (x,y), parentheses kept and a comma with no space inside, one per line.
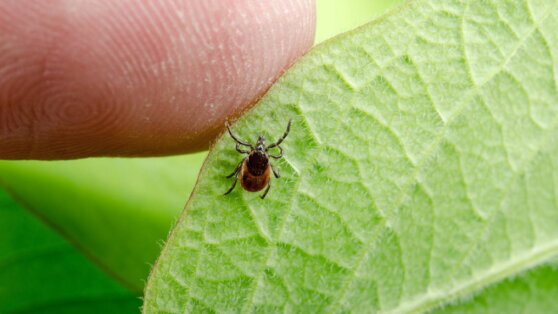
(251,182)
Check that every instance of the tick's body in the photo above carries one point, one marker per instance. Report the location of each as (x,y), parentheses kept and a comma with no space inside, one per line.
(254,171)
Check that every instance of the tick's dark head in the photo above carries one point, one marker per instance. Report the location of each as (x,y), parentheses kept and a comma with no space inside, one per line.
(260,145)
(261,141)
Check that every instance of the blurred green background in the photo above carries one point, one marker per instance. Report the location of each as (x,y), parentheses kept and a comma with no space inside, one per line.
(335,17)
(81,236)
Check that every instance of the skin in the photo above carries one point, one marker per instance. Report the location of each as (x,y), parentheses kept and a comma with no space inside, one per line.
(86,78)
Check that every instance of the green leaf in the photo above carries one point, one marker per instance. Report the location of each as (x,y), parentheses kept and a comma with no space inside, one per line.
(422,167)
(534,291)
(116,211)
(40,272)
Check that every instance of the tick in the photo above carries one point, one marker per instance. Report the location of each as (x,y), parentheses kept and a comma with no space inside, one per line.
(255,169)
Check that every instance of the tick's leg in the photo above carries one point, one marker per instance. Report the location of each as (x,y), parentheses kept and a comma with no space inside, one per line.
(282,137)
(236,169)
(266,190)
(280,153)
(240,150)
(275,171)
(239,141)
(232,187)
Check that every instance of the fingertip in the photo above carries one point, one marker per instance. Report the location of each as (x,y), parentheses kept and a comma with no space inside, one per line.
(138,77)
